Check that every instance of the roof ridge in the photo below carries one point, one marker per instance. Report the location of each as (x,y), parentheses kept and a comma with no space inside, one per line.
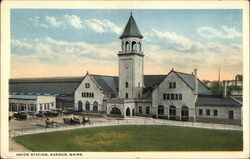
(103,75)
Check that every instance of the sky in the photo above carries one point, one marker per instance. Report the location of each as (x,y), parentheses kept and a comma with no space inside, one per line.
(70,42)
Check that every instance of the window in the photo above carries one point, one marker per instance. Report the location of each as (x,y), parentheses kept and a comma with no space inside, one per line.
(172,96)
(170,85)
(126,84)
(180,96)
(200,112)
(126,95)
(147,110)
(176,96)
(160,110)
(231,114)
(207,112)
(168,96)
(95,106)
(87,85)
(41,107)
(139,95)
(140,110)
(139,85)
(87,94)
(215,112)
(164,96)
(174,85)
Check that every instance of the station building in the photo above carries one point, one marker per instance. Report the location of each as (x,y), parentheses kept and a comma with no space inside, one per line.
(174,96)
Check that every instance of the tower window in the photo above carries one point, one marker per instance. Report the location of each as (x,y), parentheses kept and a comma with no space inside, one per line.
(126,95)
(134,46)
(139,44)
(126,84)
(139,85)
(127,45)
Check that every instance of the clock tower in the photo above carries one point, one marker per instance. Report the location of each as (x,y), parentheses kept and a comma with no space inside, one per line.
(131,80)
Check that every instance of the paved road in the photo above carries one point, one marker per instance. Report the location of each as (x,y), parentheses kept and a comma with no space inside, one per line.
(129,121)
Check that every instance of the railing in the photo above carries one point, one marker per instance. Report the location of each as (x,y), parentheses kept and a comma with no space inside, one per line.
(131,121)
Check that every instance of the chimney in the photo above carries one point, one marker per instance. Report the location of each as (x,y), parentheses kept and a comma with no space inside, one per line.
(195,81)
(224,89)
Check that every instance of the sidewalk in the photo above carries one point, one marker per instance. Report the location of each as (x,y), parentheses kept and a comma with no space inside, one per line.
(129,121)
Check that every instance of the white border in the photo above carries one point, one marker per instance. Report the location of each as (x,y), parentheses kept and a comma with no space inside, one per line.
(5,66)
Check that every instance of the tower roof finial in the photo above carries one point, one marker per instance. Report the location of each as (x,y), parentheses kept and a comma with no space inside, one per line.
(131,13)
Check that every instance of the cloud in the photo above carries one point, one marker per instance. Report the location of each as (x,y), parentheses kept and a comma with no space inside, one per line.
(36,22)
(53,21)
(223,33)
(102,26)
(74,21)
(176,41)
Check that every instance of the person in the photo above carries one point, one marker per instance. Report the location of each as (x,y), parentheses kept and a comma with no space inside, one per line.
(47,122)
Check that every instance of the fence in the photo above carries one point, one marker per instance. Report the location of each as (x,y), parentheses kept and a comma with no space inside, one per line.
(131,121)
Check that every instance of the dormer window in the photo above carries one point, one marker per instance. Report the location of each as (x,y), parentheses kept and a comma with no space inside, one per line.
(87,85)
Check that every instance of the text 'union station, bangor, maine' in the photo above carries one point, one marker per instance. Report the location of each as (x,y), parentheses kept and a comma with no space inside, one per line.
(174,96)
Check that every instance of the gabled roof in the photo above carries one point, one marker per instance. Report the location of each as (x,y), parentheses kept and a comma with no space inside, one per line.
(211,100)
(150,81)
(67,85)
(189,79)
(131,29)
(107,83)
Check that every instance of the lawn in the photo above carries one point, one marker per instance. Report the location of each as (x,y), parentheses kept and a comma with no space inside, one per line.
(134,138)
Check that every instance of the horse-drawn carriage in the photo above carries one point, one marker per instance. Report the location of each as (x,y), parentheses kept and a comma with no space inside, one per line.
(85,120)
(71,121)
(51,124)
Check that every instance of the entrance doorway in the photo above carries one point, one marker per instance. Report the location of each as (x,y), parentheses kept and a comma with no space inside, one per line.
(128,112)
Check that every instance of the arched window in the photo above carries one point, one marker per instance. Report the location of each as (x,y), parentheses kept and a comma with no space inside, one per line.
(172,112)
(160,110)
(139,46)
(95,106)
(134,46)
(127,45)
(122,46)
(79,105)
(87,106)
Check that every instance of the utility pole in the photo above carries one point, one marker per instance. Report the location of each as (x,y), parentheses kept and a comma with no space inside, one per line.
(219,81)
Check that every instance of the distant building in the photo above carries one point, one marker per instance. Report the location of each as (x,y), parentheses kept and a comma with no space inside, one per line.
(31,103)
(175,96)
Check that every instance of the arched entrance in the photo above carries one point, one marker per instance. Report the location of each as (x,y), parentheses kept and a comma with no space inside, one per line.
(128,112)
(80,105)
(87,106)
(172,113)
(184,113)
(115,112)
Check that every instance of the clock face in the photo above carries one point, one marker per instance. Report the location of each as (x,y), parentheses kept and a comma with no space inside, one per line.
(126,64)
